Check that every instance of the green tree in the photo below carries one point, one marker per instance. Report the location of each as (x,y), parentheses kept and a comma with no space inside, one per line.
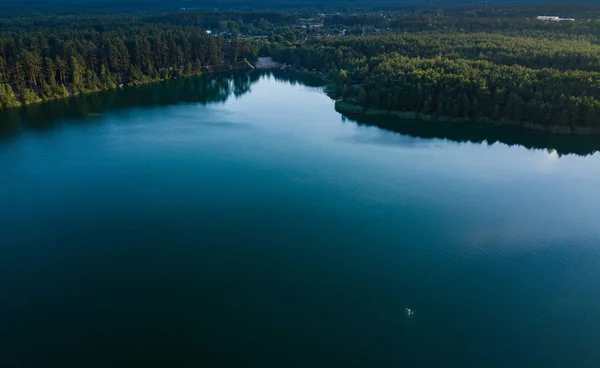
(7,96)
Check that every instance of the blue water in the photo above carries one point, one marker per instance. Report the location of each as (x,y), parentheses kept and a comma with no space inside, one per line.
(243,222)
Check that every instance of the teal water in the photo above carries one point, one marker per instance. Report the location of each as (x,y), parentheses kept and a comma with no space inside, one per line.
(243,222)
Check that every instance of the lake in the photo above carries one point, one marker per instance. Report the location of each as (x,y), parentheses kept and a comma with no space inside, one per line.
(241,221)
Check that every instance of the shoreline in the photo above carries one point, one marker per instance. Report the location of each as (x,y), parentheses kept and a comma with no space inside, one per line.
(87,92)
(136,83)
(351,109)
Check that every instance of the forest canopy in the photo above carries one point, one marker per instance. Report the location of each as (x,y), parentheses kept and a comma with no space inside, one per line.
(463,63)
(510,70)
(46,58)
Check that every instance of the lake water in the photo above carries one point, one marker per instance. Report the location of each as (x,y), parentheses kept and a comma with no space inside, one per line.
(243,222)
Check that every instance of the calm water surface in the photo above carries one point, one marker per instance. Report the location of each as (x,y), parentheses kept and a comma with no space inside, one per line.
(243,222)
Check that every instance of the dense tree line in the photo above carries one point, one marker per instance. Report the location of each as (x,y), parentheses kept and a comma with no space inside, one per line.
(473,90)
(209,20)
(532,52)
(452,78)
(45,62)
(249,24)
(510,69)
(461,23)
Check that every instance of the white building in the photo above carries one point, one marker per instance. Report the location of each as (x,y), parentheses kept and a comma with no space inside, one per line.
(547,18)
(553,18)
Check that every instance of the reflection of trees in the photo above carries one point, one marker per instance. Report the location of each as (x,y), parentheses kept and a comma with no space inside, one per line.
(204,90)
(219,88)
(242,82)
(481,133)
(306,79)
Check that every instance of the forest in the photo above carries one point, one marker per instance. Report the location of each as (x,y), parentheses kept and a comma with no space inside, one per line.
(519,72)
(462,64)
(47,58)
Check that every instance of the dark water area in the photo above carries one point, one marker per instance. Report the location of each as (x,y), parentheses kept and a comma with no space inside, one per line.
(562,144)
(240,221)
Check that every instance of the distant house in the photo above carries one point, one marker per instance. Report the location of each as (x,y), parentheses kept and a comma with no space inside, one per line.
(208,31)
(548,18)
(553,18)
